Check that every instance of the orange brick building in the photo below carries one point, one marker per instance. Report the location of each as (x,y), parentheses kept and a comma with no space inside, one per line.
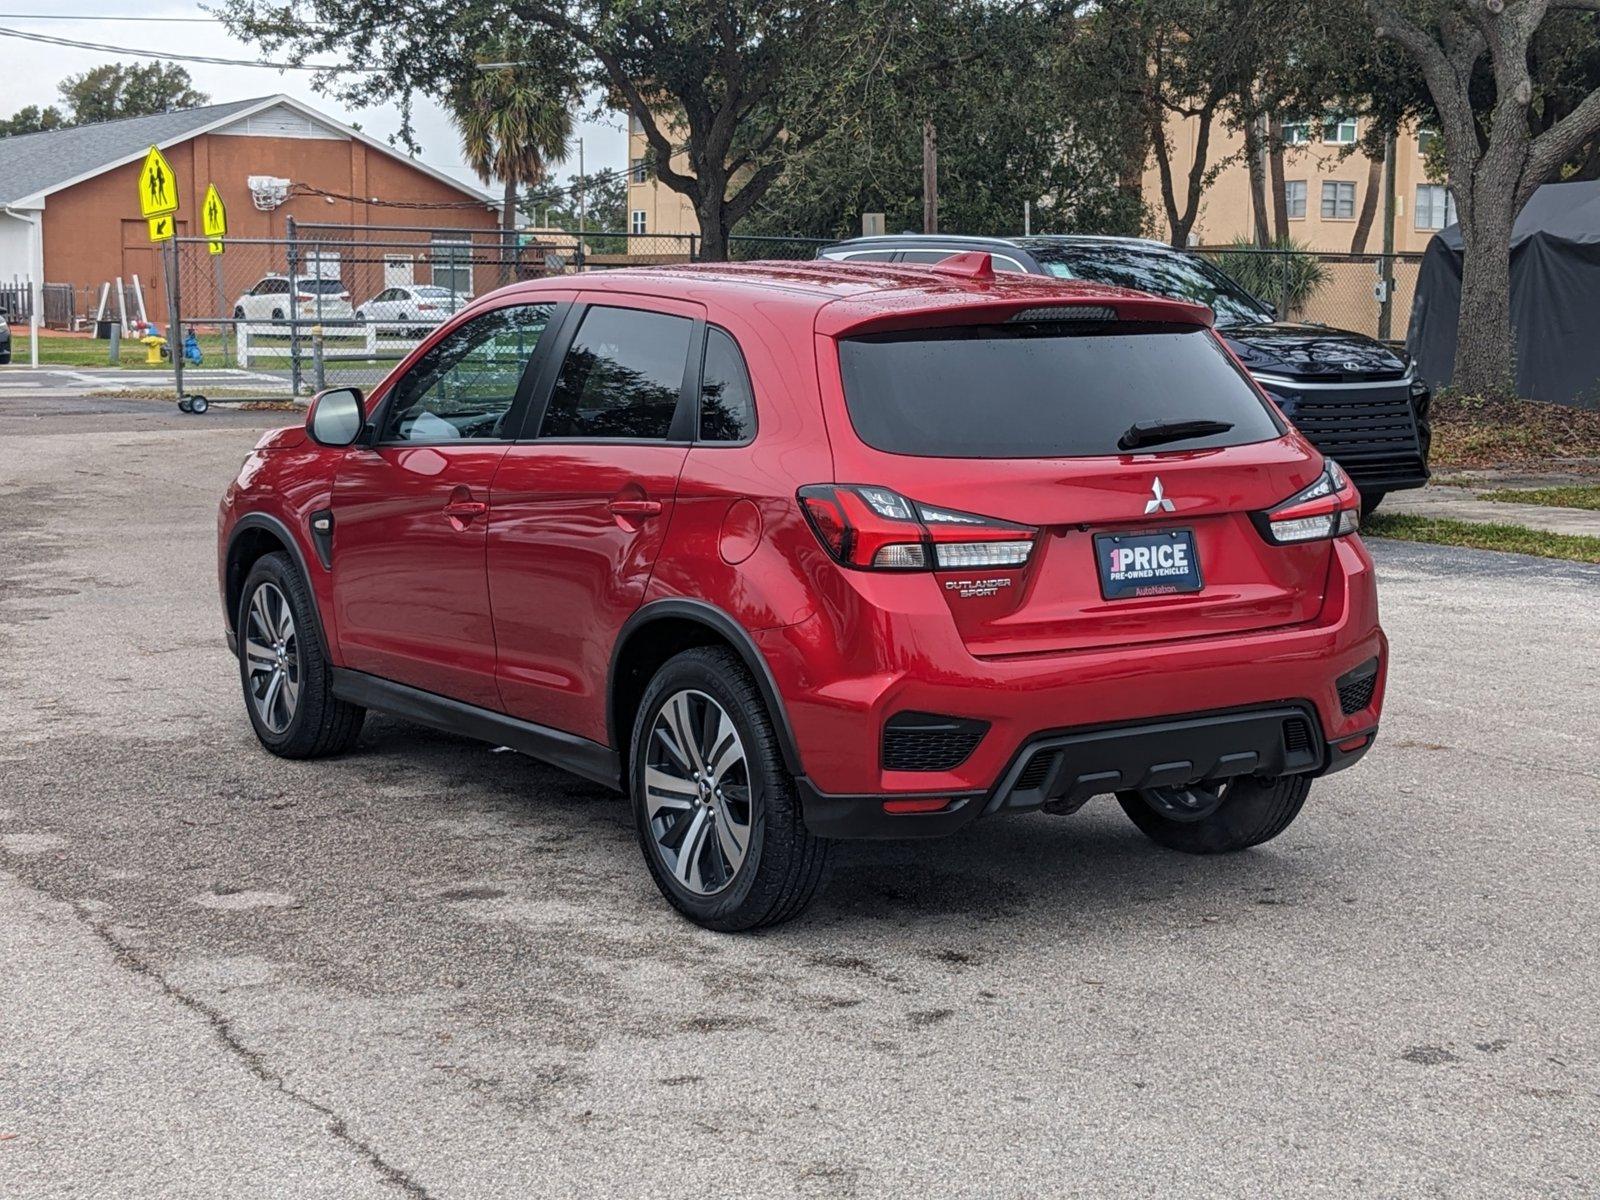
(69,201)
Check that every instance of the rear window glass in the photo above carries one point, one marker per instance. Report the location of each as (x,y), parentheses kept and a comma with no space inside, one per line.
(1043,391)
(327,287)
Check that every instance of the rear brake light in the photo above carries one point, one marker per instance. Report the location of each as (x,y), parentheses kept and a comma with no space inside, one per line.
(1329,508)
(877,529)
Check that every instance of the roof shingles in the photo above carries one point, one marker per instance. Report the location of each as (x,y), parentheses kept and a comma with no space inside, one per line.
(35,162)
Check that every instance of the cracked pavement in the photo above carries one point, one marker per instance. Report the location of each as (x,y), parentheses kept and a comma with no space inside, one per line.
(430,969)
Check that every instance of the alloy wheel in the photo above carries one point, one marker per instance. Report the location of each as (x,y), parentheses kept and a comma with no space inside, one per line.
(272,658)
(697,792)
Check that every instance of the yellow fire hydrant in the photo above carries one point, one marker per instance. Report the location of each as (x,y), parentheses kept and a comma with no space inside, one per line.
(153,347)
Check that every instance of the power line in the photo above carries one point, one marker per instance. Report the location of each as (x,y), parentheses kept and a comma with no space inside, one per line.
(101,47)
(96,18)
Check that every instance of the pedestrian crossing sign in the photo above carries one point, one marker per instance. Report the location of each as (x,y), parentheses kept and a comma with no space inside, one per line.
(158,187)
(213,219)
(161,228)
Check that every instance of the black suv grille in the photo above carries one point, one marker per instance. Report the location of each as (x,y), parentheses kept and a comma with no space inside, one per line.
(914,741)
(1355,688)
(1370,431)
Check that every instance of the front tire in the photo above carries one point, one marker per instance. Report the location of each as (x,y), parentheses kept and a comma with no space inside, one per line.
(716,811)
(288,682)
(1252,811)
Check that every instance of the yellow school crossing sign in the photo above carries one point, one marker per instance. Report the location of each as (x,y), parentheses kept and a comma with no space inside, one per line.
(158,187)
(214,219)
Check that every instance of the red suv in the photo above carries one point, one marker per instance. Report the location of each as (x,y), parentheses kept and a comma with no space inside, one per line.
(799,552)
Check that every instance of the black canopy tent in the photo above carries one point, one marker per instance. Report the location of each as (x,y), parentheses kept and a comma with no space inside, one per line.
(1555,298)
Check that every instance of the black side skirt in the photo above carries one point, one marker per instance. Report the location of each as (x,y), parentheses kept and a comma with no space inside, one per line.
(565,750)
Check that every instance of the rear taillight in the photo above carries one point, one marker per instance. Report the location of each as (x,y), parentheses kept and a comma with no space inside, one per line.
(426,307)
(1329,508)
(877,529)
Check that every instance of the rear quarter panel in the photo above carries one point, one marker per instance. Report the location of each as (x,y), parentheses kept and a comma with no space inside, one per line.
(738,540)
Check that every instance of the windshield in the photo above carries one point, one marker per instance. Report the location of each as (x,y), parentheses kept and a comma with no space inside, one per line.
(1160,272)
(1043,391)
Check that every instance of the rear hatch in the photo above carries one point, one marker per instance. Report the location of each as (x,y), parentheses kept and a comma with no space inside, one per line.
(1071,429)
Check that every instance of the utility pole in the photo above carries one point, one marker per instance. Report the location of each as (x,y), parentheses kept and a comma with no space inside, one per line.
(583,200)
(930,178)
(1386,306)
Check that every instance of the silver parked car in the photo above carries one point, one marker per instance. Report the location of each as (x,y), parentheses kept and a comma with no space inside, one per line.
(413,306)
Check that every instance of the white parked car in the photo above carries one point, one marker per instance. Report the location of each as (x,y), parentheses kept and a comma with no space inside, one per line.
(413,306)
(315,298)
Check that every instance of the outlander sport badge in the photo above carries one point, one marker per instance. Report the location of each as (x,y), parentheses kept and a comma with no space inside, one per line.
(1160,503)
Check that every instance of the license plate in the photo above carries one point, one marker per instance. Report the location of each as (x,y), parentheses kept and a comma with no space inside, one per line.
(1147,564)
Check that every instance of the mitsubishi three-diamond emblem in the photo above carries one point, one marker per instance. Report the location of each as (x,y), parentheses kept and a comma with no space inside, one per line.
(1160,503)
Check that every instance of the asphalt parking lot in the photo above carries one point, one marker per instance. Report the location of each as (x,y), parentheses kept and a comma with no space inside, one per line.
(430,969)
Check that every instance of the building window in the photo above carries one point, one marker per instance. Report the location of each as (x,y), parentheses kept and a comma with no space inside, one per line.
(1340,131)
(1425,140)
(1436,207)
(634,124)
(1296,133)
(636,222)
(638,171)
(1294,197)
(1338,200)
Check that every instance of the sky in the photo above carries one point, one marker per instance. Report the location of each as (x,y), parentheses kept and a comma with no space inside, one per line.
(32,71)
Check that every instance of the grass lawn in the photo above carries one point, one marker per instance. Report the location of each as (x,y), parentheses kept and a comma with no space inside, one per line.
(1573,496)
(89,352)
(1443,531)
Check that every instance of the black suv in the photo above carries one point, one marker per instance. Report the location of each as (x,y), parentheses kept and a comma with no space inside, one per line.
(1356,399)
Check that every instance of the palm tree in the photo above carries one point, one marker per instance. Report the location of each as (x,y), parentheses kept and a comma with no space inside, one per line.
(515,120)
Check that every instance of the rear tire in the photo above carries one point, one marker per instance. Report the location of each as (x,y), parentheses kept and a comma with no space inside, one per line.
(733,853)
(298,715)
(1370,502)
(1253,811)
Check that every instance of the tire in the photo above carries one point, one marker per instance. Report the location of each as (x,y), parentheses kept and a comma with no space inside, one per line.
(314,724)
(277,314)
(238,312)
(782,866)
(1252,812)
(198,404)
(1370,502)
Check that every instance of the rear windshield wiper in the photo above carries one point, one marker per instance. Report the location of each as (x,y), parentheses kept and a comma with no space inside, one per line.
(1152,433)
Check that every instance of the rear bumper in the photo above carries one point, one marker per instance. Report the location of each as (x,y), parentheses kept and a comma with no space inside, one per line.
(849,668)
(1063,768)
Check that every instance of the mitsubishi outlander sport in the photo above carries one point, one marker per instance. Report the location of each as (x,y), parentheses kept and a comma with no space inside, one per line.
(791,553)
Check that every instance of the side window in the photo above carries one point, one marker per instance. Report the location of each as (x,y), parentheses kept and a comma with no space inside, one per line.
(622,376)
(465,385)
(928,256)
(727,403)
(866,256)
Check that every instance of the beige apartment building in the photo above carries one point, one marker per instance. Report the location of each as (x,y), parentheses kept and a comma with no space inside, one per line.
(653,207)
(1326,177)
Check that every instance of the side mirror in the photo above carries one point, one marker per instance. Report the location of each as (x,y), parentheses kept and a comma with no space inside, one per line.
(336,417)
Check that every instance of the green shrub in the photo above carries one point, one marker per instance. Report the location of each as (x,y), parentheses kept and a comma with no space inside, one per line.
(1285,274)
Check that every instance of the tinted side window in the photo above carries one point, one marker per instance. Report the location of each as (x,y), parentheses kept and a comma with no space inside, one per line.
(465,385)
(622,376)
(727,403)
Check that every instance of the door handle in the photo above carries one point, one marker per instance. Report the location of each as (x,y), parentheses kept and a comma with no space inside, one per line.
(465,509)
(635,508)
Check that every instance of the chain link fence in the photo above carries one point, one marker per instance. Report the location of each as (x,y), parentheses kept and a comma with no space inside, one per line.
(340,305)
(1365,293)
